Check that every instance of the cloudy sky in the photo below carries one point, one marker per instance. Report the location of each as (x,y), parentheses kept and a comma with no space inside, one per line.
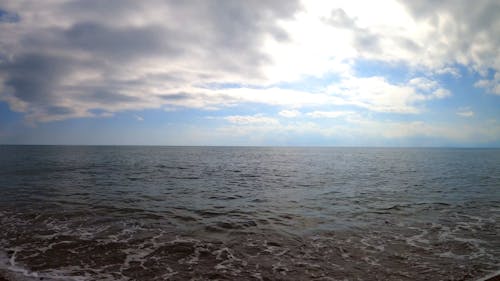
(370,73)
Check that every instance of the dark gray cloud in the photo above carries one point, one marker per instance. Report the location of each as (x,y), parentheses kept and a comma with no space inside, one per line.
(177,97)
(106,54)
(106,97)
(34,78)
(59,110)
(122,43)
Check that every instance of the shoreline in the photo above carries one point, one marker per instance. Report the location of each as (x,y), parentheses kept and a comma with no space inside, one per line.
(494,276)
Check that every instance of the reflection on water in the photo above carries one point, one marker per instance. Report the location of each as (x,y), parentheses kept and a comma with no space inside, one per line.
(155,213)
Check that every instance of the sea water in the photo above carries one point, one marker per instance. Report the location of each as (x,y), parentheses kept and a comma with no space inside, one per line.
(248,213)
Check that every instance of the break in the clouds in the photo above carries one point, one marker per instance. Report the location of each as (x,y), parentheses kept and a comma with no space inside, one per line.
(298,67)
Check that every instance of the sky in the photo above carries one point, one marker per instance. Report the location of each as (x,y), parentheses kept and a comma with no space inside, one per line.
(282,72)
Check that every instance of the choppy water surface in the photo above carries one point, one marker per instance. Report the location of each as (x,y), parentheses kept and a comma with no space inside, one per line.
(180,213)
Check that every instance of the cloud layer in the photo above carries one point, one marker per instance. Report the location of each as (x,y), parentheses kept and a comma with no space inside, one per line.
(71,59)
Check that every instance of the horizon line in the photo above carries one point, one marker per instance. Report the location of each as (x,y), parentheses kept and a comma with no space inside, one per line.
(258,146)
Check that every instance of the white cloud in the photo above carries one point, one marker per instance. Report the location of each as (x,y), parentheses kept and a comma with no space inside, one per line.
(462,32)
(424,35)
(453,71)
(277,96)
(440,94)
(465,112)
(373,93)
(250,119)
(423,83)
(491,86)
(465,133)
(289,113)
(377,94)
(360,129)
(329,114)
(138,118)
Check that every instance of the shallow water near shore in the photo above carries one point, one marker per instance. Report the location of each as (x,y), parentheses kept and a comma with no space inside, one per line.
(226,213)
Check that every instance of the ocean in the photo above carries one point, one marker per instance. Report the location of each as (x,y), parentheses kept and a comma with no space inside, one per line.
(248,213)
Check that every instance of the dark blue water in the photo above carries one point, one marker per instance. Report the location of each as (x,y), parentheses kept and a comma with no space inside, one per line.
(180,213)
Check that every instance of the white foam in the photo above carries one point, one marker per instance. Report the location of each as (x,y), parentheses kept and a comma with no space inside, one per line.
(418,240)
(14,270)
(147,247)
(449,254)
(491,275)
(379,248)
(371,261)
(169,274)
